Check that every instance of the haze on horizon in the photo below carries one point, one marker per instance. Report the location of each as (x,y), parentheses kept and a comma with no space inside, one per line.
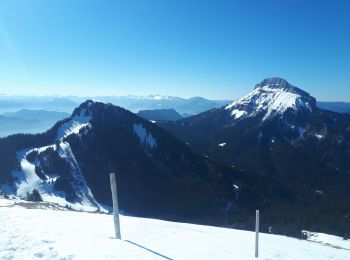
(213,49)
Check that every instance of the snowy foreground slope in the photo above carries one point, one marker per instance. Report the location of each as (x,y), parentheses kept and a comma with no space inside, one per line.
(56,234)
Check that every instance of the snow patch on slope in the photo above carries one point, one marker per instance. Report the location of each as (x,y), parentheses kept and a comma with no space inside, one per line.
(26,180)
(83,192)
(74,125)
(319,136)
(145,137)
(238,113)
(328,240)
(44,148)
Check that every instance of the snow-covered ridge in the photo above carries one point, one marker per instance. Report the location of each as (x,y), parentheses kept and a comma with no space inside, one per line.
(27,176)
(73,126)
(271,97)
(80,119)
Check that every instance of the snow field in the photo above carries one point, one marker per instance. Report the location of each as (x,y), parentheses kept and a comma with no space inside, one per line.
(51,234)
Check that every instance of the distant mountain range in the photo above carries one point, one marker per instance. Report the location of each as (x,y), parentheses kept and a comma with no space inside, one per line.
(28,121)
(341,107)
(190,106)
(15,103)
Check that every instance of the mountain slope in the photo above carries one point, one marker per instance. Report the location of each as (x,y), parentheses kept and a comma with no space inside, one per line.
(277,131)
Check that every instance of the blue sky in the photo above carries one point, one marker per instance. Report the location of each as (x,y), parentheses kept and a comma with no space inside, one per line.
(215,49)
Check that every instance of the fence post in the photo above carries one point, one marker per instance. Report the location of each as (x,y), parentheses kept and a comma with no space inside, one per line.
(257,234)
(115,205)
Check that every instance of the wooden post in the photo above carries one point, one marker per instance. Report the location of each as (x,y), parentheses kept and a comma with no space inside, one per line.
(257,234)
(115,205)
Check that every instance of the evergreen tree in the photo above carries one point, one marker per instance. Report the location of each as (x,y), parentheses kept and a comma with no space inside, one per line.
(34,196)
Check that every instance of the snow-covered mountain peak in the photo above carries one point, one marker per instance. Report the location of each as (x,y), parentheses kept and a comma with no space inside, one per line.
(273,96)
(282,85)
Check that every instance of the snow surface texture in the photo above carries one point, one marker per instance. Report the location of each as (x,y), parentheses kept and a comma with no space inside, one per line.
(51,234)
(145,137)
(26,179)
(271,99)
